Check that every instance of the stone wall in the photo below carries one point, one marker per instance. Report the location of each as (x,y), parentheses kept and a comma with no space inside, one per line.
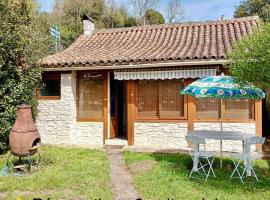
(57,123)
(89,133)
(160,135)
(172,135)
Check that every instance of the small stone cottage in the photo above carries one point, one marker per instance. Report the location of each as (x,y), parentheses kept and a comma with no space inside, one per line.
(125,83)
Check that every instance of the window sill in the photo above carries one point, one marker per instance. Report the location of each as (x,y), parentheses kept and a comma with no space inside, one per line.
(49,98)
(90,120)
(161,120)
(225,121)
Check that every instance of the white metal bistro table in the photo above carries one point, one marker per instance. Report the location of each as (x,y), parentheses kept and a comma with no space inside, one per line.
(223,135)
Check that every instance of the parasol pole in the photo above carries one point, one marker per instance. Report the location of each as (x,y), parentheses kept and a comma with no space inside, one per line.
(220,142)
(220,146)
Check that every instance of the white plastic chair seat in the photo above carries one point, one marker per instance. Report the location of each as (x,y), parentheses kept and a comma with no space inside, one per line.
(203,154)
(241,156)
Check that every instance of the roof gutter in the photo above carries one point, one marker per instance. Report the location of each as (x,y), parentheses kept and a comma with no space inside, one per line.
(137,66)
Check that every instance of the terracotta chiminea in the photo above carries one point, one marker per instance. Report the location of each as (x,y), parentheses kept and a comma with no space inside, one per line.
(24,138)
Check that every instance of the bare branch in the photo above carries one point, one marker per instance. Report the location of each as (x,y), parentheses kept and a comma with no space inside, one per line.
(174,11)
(111,11)
(141,6)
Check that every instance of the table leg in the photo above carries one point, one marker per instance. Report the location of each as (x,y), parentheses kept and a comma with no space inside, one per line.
(247,162)
(196,159)
(196,163)
(248,168)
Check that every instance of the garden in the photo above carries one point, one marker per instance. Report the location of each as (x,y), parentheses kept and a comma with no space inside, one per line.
(165,176)
(79,173)
(63,173)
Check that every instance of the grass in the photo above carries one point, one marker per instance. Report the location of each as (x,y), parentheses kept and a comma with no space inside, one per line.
(168,179)
(64,173)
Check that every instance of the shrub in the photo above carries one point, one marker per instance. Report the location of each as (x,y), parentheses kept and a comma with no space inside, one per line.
(21,45)
(251,58)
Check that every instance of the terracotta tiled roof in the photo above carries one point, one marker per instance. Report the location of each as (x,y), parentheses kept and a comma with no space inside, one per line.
(181,42)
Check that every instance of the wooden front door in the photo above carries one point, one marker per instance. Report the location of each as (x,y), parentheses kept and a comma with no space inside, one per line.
(114,109)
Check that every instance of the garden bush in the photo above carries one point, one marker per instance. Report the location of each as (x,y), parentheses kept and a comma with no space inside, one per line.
(21,46)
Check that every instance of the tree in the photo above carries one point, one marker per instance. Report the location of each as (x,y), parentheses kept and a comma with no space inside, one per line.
(140,7)
(21,46)
(174,11)
(111,12)
(115,17)
(251,58)
(120,17)
(42,21)
(254,7)
(130,21)
(154,17)
(67,14)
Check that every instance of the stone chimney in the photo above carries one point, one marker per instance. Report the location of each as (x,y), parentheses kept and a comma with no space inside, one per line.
(88,25)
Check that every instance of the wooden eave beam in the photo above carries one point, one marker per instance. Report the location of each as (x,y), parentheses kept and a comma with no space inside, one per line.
(136,65)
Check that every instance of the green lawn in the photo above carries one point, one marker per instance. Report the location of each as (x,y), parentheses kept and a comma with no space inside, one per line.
(164,176)
(64,173)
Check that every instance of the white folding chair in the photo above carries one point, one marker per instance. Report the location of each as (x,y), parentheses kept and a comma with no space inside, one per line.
(246,158)
(197,154)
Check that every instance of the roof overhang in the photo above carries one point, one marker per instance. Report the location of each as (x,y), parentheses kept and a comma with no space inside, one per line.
(136,65)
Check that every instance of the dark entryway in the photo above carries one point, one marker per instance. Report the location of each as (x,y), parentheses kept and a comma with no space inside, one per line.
(266,123)
(118,108)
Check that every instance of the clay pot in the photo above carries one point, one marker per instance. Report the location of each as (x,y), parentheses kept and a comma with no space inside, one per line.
(24,138)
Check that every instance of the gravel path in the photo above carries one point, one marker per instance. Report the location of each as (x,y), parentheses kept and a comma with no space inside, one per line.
(121,180)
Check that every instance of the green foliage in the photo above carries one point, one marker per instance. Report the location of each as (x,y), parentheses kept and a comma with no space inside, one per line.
(154,17)
(42,24)
(130,21)
(254,7)
(21,45)
(251,58)
(70,31)
(67,14)
(115,17)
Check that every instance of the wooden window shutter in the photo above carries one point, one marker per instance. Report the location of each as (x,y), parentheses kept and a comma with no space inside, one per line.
(90,96)
(171,101)
(242,109)
(148,98)
(208,109)
(160,99)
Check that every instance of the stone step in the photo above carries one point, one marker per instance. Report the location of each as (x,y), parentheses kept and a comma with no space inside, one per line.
(116,141)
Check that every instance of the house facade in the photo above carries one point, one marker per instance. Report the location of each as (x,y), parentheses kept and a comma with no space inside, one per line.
(125,83)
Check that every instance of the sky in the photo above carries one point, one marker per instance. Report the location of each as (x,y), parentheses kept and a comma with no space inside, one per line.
(195,10)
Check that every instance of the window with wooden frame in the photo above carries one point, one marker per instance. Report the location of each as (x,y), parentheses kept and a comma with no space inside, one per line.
(51,89)
(160,99)
(242,109)
(209,109)
(148,99)
(90,94)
